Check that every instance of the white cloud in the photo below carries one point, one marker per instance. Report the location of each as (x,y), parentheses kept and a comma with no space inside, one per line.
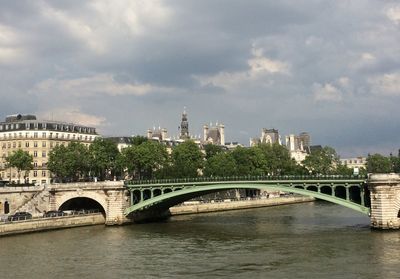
(11,50)
(386,84)
(326,92)
(72,115)
(260,69)
(393,13)
(98,26)
(94,85)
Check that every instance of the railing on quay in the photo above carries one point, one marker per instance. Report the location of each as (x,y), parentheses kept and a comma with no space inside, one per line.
(11,219)
(246,178)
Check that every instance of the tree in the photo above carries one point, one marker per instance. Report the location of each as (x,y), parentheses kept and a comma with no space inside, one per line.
(378,163)
(21,160)
(322,161)
(220,165)
(249,161)
(145,160)
(212,149)
(103,155)
(395,163)
(278,160)
(187,160)
(138,140)
(342,169)
(69,163)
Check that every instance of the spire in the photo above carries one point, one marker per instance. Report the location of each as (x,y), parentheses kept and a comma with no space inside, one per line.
(184,125)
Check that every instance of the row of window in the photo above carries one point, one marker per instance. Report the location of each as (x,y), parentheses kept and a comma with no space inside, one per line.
(35,154)
(51,135)
(47,126)
(15,175)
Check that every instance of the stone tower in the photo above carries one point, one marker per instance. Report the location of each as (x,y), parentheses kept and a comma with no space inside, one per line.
(184,126)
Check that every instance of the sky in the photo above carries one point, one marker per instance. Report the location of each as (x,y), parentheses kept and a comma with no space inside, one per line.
(329,68)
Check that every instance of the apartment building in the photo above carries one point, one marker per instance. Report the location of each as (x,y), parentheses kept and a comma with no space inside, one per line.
(38,138)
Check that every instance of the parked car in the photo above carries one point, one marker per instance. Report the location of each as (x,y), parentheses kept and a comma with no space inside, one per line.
(20,216)
(54,213)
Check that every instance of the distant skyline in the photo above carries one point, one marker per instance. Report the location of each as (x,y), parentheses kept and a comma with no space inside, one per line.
(329,68)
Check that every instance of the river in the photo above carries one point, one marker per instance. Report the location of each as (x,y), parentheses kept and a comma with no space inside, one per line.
(309,240)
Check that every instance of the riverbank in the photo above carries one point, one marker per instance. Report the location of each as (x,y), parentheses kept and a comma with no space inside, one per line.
(236,205)
(44,224)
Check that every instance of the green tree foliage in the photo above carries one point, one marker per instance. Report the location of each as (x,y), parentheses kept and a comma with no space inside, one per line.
(378,163)
(69,163)
(187,159)
(249,161)
(212,149)
(145,160)
(138,140)
(22,161)
(342,169)
(395,163)
(278,160)
(322,161)
(103,154)
(220,165)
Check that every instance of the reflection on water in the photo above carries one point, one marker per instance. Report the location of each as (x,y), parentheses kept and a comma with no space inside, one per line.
(311,240)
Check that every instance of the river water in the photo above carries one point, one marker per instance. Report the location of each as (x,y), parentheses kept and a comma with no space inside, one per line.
(309,240)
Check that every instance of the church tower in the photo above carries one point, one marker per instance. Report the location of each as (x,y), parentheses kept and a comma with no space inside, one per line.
(184,126)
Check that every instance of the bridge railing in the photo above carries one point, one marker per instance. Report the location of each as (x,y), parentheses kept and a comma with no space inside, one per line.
(245,178)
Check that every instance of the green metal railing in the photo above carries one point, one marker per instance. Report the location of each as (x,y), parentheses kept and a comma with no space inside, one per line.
(245,178)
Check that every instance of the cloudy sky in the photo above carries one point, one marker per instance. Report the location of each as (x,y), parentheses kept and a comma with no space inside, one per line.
(331,68)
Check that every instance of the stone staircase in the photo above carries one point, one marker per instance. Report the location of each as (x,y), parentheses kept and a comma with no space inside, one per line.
(37,204)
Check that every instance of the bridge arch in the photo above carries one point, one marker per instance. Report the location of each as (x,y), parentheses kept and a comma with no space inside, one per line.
(77,200)
(175,197)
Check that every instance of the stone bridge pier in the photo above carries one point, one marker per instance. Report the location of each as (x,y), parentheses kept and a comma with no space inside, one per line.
(385,200)
(110,197)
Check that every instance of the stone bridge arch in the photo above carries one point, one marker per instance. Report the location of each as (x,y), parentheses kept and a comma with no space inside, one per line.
(64,197)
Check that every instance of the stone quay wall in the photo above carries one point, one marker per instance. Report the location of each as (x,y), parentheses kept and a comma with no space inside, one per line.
(43,224)
(236,205)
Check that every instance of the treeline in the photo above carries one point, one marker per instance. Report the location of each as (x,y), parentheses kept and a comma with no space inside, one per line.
(147,159)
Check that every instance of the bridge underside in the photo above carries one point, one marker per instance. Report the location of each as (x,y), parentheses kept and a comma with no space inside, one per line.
(162,198)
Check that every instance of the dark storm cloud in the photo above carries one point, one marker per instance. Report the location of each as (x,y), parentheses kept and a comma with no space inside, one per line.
(327,67)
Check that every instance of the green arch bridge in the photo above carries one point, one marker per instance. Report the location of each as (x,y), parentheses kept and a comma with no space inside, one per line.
(348,191)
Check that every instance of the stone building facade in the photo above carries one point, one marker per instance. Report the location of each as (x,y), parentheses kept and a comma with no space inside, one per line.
(38,138)
(214,134)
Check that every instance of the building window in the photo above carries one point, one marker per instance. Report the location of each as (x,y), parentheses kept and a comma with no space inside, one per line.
(27,144)
(44,173)
(35,164)
(35,135)
(43,144)
(19,144)
(51,144)
(44,154)
(34,153)
(43,135)
(35,144)
(14,144)
(35,173)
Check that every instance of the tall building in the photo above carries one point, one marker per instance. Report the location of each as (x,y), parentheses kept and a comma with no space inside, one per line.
(269,136)
(298,146)
(38,138)
(214,134)
(184,126)
(157,134)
